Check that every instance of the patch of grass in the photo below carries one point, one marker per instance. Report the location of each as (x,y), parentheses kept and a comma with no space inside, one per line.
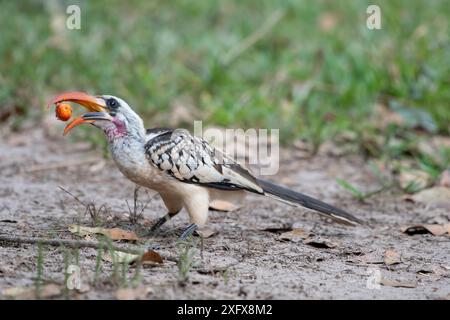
(98,262)
(120,269)
(435,165)
(136,280)
(136,213)
(226,275)
(354,191)
(413,187)
(95,212)
(39,270)
(71,277)
(317,71)
(66,259)
(186,261)
(311,69)
(115,276)
(357,193)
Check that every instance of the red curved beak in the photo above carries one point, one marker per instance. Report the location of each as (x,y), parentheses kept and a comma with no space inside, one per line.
(89,118)
(92,103)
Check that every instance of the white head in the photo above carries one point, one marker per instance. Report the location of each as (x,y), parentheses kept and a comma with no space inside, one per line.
(121,119)
(109,113)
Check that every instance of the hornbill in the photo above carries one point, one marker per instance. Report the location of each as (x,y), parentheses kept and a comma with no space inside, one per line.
(184,169)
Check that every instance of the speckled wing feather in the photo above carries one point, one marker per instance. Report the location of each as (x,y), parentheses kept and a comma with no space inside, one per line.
(191,159)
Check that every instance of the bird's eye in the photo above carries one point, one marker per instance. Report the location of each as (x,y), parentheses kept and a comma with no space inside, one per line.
(112,103)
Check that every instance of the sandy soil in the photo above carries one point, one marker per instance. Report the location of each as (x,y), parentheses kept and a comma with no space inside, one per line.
(246,259)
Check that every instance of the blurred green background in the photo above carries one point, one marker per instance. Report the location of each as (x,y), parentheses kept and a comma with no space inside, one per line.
(310,68)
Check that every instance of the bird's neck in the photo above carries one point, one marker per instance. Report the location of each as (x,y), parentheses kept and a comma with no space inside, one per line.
(121,133)
(127,145)
(128,148)
(128,152)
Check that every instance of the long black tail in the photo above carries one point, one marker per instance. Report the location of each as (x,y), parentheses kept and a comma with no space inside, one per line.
(298,199)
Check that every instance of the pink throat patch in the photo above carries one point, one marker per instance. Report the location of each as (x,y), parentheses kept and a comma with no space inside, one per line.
(119,129)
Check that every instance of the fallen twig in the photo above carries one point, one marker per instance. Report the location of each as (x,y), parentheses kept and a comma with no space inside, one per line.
(90,207)
(73,196)
(75,244)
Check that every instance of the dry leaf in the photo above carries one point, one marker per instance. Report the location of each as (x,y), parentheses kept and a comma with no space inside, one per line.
(436,272)
(277,229)
(21,293)
(391,257)
(206,232)
(222,205)
(151,257)
(398,283)
(82,231)
(138,293)
(119,234)
(319,242)
(447,228)
(113,234)
(434,229)
(8,221)
(120,257)
(437,196)
(295,235)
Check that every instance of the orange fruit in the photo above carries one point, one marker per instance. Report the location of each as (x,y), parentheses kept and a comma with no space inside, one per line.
(63,111)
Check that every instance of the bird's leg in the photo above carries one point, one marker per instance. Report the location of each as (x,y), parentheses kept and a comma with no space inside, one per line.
(162,221)
(188,232)
(159,223)
(197,205)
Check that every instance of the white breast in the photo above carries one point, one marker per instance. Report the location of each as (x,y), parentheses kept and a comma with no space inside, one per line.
(130,158)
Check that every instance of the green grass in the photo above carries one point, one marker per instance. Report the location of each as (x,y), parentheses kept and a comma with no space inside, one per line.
(186,260)
(311,82)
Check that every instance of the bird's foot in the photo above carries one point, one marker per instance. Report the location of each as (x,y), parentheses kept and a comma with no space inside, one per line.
(158,225)
(188,232)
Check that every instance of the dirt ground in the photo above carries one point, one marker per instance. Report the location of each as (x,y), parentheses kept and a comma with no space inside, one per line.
(246,259)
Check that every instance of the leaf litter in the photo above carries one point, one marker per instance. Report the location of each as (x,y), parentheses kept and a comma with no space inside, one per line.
(309,238)
(113,234)
(434,229)
(150,257)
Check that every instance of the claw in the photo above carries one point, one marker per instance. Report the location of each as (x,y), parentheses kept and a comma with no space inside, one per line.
(188,232)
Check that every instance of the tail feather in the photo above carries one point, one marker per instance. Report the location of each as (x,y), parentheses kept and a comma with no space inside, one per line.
(295,198)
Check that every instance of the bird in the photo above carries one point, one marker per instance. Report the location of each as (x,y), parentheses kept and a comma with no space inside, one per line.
(184,169)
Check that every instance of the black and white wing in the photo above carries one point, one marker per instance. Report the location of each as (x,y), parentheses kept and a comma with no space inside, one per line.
(191,159)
